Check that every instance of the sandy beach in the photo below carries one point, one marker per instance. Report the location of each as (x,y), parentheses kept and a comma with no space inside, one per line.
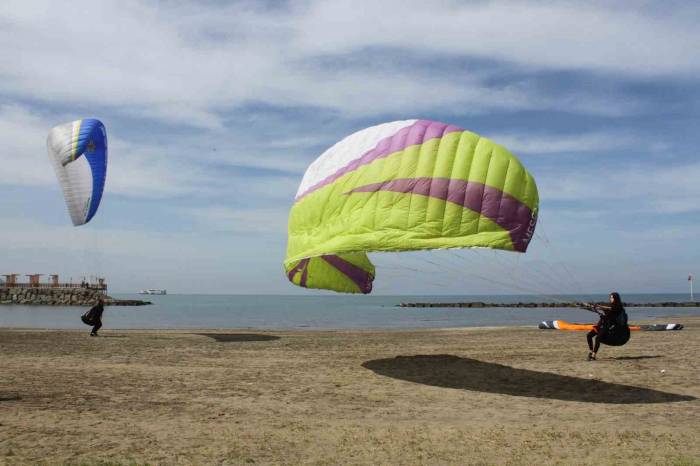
(453,396)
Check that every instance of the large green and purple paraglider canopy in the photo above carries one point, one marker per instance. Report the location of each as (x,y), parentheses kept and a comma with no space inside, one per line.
(404,186)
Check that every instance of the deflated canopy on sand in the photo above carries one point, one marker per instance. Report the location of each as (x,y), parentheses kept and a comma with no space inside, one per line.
(563,325)
(78,152)
(404,186)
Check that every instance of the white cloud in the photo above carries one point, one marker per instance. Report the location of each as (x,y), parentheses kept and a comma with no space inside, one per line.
(23,157)
(666,189)
(677,206)
(26,234)
(153,172)
(558,144)
(226,219)
(187,63)
(679,235)
(555,35)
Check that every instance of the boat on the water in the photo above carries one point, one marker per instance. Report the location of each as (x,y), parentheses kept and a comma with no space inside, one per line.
(153,291)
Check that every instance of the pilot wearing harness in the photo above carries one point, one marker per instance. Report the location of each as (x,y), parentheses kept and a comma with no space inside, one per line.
(611,329)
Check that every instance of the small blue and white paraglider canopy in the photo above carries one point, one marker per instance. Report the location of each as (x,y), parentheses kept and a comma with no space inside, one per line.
(78,152)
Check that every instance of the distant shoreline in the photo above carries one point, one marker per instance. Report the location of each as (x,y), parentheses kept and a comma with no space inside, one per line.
(314,312)
(319,330)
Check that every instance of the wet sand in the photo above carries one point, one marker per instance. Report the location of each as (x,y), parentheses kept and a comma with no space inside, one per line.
(454,396)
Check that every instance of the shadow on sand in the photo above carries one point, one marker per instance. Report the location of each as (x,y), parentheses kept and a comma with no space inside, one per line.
(469,374)
(238,337)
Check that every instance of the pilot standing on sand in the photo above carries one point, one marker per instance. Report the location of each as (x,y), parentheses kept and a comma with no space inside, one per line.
(94,316)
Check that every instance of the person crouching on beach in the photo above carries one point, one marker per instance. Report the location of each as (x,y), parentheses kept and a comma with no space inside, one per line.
(94,316)
(611,328)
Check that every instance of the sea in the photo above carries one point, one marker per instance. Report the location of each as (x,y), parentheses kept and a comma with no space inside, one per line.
(341,312)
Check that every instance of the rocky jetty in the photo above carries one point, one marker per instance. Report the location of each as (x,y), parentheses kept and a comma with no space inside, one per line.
(479,304)
(60,297)
(126,302)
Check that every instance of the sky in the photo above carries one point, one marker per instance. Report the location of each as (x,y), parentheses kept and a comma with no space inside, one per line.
(214,109)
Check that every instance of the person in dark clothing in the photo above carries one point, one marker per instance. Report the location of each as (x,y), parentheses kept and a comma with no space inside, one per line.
(94,317)
(611,329)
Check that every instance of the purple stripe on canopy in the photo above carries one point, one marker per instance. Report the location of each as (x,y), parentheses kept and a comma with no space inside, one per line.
(359,276)
(301,265)
(304,273)
(502,208)
(417,133)
(292,272)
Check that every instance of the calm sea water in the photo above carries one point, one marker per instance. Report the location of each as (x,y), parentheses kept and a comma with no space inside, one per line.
(317,312)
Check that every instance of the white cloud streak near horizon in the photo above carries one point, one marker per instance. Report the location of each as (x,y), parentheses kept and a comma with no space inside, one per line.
(667,189)
(545,144)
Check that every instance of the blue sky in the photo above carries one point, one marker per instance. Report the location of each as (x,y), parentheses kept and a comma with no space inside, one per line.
(214,109)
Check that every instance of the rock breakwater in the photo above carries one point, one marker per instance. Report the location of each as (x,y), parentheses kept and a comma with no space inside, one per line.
(60,297)
(535,305)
